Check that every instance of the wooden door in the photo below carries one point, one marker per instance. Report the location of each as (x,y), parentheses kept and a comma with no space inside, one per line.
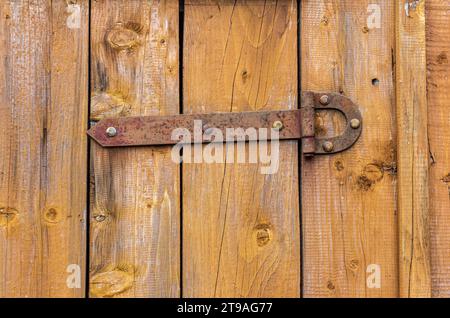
(80,220)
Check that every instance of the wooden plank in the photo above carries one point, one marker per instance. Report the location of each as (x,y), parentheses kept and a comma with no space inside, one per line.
(413,152)
(348,200)
(438,50)
(135,191)
(43,148)
(240,227)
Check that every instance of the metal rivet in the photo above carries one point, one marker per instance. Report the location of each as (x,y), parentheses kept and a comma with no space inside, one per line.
(111,131)
(277,125)
(355,123)
(324,99)
(328,146)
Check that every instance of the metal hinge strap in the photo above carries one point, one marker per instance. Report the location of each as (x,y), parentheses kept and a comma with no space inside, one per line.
(289,125)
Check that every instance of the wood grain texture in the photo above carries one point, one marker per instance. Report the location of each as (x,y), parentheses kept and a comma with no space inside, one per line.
(135,191)
(43,147)
(438,54)
(413,151)
(348,199)
(240,227)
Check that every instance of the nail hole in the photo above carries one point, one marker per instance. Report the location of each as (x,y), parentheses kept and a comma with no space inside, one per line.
(375,82)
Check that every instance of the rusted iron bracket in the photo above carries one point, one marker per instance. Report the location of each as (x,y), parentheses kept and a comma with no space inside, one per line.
(288,124)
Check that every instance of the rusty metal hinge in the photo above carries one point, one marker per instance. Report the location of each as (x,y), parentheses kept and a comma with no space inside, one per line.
(289,124)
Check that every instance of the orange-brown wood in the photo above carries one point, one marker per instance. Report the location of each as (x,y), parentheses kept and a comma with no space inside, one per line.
(43,147)
(438,55)
(240,227)
(413,152)
(135,195)
(348,200)
(374,218)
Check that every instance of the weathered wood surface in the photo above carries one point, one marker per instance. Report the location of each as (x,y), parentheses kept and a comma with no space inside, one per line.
(134,192)
(438,55)
(43,147)
(412,152)
(348,200)
(240,227)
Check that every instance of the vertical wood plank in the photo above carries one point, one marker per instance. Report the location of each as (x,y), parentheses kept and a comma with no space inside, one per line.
(438,54)
(348,200)
(135,191)
(413,151)
(43,148)
(240,227)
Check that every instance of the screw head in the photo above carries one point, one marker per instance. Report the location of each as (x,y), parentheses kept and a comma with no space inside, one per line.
(277,125)
(111,131)
(324,99)
(328,146)
(355,123)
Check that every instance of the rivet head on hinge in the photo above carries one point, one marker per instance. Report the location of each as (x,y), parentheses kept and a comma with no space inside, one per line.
(324,99)
(111,131)
(355,123)
(277,125)
(328,146)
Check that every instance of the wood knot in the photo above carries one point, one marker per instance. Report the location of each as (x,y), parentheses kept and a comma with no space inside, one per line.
(364,183)
(111,283)
(124,36)
(100,217)
(51,215)
(263,234)
(353,264)
(446,179)
(7,215)
(109,105)
(339,165)
(442,58)
(372,174)
(330,285)
(365,29)
(244,76)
